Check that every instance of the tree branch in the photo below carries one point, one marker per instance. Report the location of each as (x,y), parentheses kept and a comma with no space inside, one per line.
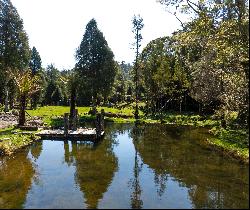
(176,18)
(195,10)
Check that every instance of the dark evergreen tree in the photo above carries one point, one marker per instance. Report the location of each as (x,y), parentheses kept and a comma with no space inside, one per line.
(95,63)
(54,94)
(14,47)
(48,93)
(57,96)
(126,69)
(35,65)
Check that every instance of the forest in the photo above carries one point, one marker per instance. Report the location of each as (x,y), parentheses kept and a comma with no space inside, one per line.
(201,69)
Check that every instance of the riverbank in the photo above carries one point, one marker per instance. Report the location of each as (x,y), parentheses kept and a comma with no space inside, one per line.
(233,143)
(230,142)
(12,139)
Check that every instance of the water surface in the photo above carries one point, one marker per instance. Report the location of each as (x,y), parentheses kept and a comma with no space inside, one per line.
(149,166)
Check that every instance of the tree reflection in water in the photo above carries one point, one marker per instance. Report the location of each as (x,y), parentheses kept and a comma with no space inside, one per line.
(179,152)
(136,201)
(166,159)
(95,168)
(36,149)
(15,179)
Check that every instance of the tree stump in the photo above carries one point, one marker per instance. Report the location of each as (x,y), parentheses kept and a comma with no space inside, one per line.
(99,124)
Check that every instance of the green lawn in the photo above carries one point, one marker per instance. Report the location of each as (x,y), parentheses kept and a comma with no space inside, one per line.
(60,110)
(52,115)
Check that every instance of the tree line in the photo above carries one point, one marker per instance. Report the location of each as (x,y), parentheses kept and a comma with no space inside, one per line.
(202,67)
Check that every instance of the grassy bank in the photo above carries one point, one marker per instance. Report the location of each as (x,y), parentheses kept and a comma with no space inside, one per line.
(11,140)
(53,116)
(232,142)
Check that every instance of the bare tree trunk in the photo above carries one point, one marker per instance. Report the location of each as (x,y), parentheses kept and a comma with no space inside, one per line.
(22,119)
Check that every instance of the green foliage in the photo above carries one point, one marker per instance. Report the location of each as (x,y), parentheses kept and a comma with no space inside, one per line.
(95,64)
(162,74)
(14,49)
(233,142)
(35,61)
(35,65)
(137,27)
(213,47)
(56,92)
(26,83)
(119,87)
(239,137)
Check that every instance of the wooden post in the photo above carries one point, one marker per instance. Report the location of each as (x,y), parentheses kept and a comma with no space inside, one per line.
(98,125)
(75,120)
(66,124)
(102,119)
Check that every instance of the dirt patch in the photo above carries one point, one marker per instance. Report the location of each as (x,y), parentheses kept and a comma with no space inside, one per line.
(7,120)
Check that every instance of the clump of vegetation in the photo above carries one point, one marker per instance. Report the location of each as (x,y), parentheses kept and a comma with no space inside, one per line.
(11,140)
(232,142)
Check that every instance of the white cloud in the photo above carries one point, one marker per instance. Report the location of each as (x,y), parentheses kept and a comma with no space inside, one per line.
(56,27)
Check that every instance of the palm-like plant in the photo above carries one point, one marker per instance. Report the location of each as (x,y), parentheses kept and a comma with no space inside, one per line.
(27,85)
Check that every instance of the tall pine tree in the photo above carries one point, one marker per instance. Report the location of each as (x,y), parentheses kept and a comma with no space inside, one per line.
(95,63)
(35,65)
(14,47)
(137,27)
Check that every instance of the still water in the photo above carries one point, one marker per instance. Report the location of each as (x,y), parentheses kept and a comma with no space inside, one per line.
(149,166)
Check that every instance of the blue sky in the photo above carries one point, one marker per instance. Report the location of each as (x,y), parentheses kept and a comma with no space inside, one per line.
(56,27)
